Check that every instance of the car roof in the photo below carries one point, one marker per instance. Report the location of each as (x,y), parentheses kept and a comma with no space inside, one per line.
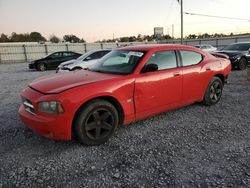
(147,47)
(63,51)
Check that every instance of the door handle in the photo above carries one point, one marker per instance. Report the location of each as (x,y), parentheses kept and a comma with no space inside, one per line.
(208,69)
(177,74)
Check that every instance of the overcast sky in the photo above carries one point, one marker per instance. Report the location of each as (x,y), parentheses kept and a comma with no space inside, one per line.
(101,19)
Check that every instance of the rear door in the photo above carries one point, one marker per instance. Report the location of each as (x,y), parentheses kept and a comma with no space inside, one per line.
(67,56)
(159,90)
(193,75)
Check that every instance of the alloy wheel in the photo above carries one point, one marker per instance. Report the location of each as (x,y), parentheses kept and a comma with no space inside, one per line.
(42,67)
(215,91)
(99,124)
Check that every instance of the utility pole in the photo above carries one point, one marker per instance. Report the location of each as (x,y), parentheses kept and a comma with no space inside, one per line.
(173,31)
(181,21)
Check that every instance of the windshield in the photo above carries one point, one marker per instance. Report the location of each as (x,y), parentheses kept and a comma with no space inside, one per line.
(84,56)
(238,47)
(118,62)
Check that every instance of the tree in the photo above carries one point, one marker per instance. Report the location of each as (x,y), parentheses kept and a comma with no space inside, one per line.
(26,37)
(82,40)
(205,35)
(148,38)
(54,39)
(191,36)
(139,38)
(4,38)
(124,39)
(36,37)
(71,38)
(167,37)
(132,39)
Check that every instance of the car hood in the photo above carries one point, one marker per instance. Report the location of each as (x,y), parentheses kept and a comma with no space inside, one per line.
(68,62)
(232,53)
(58,83)
(82,64)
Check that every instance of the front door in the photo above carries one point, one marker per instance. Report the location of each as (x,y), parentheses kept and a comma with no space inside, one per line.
(159,90)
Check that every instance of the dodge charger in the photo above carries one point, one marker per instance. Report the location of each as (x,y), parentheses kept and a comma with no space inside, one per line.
(127,85)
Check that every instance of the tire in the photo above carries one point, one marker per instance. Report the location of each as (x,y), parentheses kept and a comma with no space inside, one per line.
(95,122)
(41,67)
(213,92)
(242,64)
(76,68)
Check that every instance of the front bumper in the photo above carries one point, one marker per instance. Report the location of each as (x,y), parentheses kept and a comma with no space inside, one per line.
(54,126)
(32,66)
(60,70)
(234,63)
(50,127)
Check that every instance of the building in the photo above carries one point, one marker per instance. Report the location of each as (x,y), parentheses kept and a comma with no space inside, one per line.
(158,32)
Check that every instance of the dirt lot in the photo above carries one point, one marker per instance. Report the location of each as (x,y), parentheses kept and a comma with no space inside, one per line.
(196,146)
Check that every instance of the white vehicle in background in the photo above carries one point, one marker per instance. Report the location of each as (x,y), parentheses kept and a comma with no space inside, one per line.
(206,47)
(82,62)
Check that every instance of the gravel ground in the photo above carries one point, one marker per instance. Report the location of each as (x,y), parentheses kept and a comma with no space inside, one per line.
(195,146)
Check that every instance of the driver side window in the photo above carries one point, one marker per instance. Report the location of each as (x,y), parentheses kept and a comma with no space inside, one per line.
(55,55)
(163,59)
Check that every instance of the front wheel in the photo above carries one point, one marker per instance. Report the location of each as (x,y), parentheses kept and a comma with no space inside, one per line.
(41,67)
(96,122)
(242,64)
(213,92)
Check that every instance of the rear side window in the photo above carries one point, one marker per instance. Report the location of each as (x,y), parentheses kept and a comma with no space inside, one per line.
(190,58)
(66,54)
(164,60)
(56,55)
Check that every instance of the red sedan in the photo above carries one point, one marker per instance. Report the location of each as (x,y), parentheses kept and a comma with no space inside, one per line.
(127,85)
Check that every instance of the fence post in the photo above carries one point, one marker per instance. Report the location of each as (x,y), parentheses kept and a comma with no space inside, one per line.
(236,39)
(67,47)
(25,53)
(46,49)
(216,43)
(101,46)
(85,47)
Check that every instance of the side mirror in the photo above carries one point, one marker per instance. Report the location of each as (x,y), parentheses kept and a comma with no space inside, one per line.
(150,68)
(88,58)
(249,50)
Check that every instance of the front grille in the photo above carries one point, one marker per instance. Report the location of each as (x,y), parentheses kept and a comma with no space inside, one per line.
(28,105)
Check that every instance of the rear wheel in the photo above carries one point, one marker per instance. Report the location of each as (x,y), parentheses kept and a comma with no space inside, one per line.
(96,122)
(242,64)
(213,92)
(41,67)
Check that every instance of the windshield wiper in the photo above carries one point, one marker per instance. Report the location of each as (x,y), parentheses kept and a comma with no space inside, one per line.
(94,70)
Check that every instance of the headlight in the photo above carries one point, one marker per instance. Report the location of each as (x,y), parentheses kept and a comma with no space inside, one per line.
(236,57)
(51,107)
